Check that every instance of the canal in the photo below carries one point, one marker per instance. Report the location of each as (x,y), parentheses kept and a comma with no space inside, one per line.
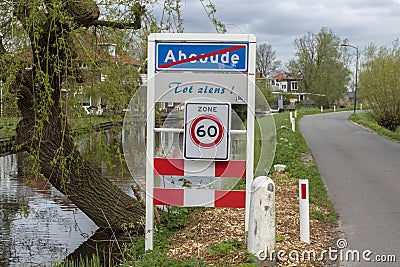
(38,224)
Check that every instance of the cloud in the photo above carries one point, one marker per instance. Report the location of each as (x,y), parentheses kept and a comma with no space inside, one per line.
(279,22)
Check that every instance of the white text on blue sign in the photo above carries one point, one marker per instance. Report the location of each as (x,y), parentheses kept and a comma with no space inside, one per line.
(201,57)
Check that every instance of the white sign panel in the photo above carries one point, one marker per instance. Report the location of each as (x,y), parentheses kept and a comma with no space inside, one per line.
(181,87)
(207,127)
(209,72)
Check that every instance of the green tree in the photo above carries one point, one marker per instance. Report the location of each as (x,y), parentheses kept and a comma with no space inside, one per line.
(265,87)
(46,36)
(379,84)
(321,66)
(38,48)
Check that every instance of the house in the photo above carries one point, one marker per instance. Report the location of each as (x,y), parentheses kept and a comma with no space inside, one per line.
(285,82)
(288,85)
(101,62)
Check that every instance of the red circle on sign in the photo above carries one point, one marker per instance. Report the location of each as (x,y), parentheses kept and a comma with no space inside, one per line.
(194,137)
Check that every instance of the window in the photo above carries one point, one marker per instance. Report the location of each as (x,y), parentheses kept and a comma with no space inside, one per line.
(103,77)
(82,65)
(110,48)
(284,86)
(294,85)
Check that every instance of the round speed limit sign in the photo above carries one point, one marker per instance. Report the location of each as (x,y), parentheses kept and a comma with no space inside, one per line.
(207,128)
(206,131)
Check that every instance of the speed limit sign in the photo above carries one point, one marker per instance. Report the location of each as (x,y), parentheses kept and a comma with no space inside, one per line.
(207,127)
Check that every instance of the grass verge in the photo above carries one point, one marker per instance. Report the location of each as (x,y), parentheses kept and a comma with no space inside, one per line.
(292,151)
(366,119)
(173,221)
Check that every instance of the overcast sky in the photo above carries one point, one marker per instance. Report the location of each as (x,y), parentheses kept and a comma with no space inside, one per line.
(279,22)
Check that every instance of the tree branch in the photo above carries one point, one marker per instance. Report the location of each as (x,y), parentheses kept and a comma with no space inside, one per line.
(86,13)
(117,25)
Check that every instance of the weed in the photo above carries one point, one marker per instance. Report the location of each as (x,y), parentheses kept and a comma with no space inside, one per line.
(279,238)
(224,248)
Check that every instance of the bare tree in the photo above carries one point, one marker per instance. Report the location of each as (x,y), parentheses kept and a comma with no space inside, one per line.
(266,62)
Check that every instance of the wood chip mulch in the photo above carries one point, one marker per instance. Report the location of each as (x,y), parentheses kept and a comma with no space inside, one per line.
(212,226)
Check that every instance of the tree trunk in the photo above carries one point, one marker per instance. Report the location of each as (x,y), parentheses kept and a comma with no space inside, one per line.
(94,194)
(43,131)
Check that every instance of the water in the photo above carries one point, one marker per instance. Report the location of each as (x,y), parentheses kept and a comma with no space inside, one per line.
(38,225)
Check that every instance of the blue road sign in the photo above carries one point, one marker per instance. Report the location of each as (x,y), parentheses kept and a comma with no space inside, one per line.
(202,56)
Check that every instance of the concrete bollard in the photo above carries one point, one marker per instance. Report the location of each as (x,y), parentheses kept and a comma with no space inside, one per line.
(322,109)
(334,108)
(261,234)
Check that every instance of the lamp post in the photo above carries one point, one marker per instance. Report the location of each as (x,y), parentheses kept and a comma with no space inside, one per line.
(1,100)
(356,83)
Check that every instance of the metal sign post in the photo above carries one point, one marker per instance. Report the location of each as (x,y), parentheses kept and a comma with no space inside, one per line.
(209,73)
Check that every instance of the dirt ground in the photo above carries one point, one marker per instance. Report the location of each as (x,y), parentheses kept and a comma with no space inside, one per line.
(213,226)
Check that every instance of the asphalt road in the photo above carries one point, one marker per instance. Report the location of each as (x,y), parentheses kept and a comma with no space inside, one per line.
(361,171)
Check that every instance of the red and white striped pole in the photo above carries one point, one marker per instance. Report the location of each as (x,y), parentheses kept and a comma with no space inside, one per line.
(304,211)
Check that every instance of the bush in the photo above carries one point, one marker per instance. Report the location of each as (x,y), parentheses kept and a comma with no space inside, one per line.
(379,83)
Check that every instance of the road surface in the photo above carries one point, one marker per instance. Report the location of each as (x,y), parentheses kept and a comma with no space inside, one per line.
(361,171)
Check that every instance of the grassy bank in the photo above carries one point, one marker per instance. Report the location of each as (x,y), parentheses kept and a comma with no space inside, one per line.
(367,120)
(8,125)
(292,151)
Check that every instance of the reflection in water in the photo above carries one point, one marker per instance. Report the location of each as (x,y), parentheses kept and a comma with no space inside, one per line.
(37,224)
(170,145)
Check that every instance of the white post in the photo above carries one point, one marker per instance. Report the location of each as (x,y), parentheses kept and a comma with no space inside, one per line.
(261,234)
(334,108)
(322,108)
(304,211)
(361,106)
(293,121)
(1,99)
(251,106)
(149,227)
(290,116)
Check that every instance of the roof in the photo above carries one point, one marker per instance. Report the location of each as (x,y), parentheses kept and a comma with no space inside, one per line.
(89,48)
(284,76)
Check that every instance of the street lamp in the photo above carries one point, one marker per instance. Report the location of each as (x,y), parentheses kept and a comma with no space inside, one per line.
(356,84)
